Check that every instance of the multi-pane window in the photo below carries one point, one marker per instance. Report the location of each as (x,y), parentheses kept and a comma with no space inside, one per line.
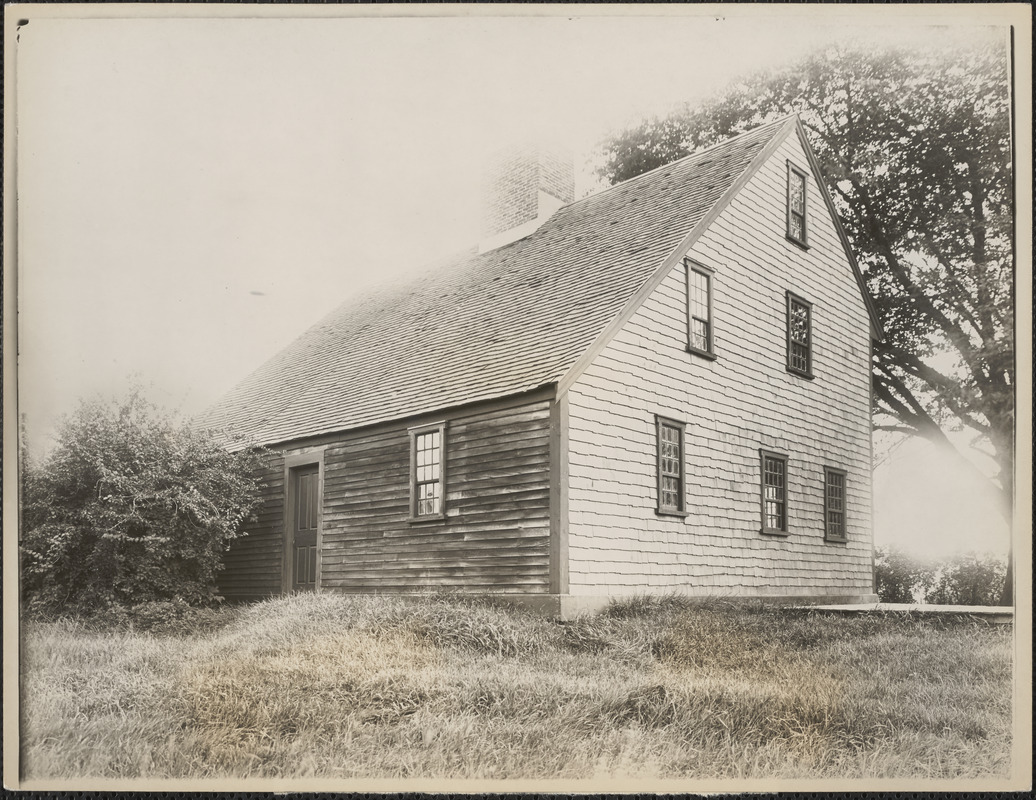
(834,504)
(670,467)
(796,204)
(699,309)
(774,492)
(800,336)
(427,472)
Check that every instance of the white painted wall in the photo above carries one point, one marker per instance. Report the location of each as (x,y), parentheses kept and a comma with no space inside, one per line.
(742,401)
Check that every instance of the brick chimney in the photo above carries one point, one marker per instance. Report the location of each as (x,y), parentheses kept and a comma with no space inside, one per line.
(522,187)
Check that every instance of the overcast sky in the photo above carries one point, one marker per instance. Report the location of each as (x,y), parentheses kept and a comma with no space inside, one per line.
(193,193)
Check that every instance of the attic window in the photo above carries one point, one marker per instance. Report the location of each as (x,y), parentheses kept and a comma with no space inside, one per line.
(796,205)
(427,473)
(699,309)
(800,336)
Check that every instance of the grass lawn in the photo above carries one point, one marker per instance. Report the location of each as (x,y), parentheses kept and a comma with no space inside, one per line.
(337,687)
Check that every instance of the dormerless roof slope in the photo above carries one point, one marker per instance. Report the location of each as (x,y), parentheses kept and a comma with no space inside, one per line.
(485,326)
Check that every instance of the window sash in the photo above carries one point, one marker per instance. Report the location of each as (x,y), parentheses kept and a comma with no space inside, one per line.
(699,308)
(774,492)
(834,504)
(796,204)
(670,467)
(427,472)
(799,335)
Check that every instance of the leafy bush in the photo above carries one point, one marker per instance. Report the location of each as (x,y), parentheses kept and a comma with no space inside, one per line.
(969,580)
(963,579)
(131,508)
(900,577)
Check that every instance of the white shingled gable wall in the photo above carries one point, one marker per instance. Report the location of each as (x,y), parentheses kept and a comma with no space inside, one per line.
(743,401)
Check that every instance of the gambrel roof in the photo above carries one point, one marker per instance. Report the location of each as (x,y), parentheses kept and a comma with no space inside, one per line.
(483,326)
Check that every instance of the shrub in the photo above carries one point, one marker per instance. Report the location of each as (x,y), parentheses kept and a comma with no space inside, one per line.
(130,508)
(963,579)
(900,577)
(969,580)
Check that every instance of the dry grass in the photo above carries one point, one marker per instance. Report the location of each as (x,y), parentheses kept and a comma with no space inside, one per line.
(332,686)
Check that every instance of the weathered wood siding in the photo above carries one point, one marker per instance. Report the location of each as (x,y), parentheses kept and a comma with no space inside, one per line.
(743,401)
(252,567)
(495,537)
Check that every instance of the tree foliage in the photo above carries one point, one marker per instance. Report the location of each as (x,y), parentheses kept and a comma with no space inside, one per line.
(916,149)
(968,580)
(965,579)
(900,577)
(130,508)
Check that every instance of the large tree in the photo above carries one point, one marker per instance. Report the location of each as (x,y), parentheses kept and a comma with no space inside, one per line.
(916,148)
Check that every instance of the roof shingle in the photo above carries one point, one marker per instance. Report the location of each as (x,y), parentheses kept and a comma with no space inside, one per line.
(485,326)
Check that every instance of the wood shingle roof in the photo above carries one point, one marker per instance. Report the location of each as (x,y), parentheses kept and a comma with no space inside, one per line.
(483,326)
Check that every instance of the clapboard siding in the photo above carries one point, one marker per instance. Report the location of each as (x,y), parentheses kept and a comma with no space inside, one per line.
(253,565)
(497,528)
(494,539)
(743,401)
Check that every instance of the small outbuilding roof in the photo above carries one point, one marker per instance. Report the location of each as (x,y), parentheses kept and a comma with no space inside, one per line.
(484,326)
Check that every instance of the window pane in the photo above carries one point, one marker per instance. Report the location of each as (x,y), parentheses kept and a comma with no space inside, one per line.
(670,463)
(836,505)
(774,511)
(428,473)
(800,356)
(796,227)
(699,286)
(699,334)
(797,196)
(699,294)
(670,492)
(798,335)
(799,322)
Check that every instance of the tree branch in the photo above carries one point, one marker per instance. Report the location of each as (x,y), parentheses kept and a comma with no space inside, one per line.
(896,429)
(945,387)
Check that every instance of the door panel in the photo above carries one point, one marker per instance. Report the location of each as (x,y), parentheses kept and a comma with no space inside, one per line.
(305,522)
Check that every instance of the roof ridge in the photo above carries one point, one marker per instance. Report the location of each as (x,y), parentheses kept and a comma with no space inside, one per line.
(484,325)
(669,164)
(775,124)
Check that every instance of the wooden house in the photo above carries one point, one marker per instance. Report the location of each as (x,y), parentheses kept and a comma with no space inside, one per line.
(662,387)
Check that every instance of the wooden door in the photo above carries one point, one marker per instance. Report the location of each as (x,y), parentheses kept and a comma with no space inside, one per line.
(305,522)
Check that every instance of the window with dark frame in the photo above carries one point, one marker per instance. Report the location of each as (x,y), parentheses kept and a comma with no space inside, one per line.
(796,205)
(699,309)
(800,336)
(834,504)
(774,492)
(670,467)
(426,470)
